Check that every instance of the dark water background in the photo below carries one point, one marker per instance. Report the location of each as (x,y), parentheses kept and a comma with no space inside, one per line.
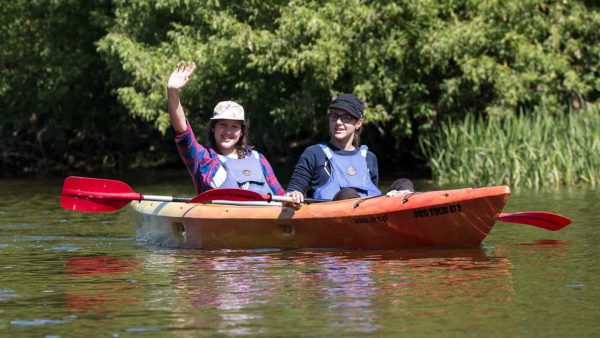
(71,274)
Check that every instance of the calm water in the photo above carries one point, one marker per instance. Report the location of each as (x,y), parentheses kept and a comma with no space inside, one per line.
(65,273)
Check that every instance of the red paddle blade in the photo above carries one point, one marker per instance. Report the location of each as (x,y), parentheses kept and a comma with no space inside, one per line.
(95,194)
(546,220)
(229,194)
(79,203)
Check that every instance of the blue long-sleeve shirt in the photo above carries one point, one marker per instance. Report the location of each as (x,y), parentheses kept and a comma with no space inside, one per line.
(310,173)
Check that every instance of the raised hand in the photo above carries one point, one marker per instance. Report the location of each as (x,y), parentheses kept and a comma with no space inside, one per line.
(181,75)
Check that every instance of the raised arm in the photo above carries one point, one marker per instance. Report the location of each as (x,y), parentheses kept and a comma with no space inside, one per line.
(178,80)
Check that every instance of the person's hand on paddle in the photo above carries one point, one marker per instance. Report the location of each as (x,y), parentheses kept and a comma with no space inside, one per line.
(181,75)
(297,196)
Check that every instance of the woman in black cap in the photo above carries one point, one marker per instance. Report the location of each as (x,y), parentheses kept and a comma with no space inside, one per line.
(340,168)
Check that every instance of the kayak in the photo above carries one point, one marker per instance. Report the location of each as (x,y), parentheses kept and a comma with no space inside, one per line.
(445,218)
(231,218)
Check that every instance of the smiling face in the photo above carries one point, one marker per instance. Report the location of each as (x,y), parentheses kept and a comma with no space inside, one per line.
(342,133)
(227,134)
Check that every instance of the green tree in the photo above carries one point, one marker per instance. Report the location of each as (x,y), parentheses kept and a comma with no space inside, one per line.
(82,85)
(58,113)
(413,62)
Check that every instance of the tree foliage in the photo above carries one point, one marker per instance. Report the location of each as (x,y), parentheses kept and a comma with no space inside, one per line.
(413,62)
(57,110)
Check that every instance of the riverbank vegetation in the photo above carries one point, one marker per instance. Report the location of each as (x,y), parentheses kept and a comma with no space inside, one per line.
(82,85)
(517,150)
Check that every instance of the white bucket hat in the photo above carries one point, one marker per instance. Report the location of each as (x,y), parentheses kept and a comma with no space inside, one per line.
(228,110)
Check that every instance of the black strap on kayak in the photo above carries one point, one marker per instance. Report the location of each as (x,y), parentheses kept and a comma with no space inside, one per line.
(359,202)
(405,199)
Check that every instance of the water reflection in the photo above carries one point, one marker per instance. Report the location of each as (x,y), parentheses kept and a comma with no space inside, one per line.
(551,248)
(563,246)
(245,292)
(99,265)
(98,286)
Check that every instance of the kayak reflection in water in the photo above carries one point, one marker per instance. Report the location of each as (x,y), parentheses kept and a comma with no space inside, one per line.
(340,168)
(228,161)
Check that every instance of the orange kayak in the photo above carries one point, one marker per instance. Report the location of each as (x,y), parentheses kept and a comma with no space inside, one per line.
(448,218)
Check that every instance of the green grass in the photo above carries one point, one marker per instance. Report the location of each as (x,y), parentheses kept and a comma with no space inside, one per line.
(520,150)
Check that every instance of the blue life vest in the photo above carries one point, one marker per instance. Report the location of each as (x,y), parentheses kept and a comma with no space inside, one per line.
(245,173)
(346,172)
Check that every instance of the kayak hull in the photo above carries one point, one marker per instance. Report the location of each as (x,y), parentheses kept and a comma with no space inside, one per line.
(449,218)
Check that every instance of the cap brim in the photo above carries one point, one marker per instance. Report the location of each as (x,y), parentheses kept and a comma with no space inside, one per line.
(225,118)
(344,107)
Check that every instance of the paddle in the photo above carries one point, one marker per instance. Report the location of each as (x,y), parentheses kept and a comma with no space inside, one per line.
(88,194)
(541,219)
(104,195)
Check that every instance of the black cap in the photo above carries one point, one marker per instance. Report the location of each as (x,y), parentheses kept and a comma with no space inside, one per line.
(349,103)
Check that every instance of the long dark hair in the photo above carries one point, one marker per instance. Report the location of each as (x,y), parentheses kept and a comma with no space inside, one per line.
(241,147)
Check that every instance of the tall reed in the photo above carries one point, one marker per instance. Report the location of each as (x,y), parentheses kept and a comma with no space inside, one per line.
(519,150)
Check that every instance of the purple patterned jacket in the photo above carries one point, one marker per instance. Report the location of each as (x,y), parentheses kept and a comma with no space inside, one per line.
(203,163)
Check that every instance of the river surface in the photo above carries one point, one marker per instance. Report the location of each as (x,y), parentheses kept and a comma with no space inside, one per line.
(64,273)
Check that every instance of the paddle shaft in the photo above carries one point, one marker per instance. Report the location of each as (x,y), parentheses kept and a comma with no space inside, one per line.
(290,199)
(165,198)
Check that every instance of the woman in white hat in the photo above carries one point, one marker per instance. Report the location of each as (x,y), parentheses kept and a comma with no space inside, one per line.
(228,161)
